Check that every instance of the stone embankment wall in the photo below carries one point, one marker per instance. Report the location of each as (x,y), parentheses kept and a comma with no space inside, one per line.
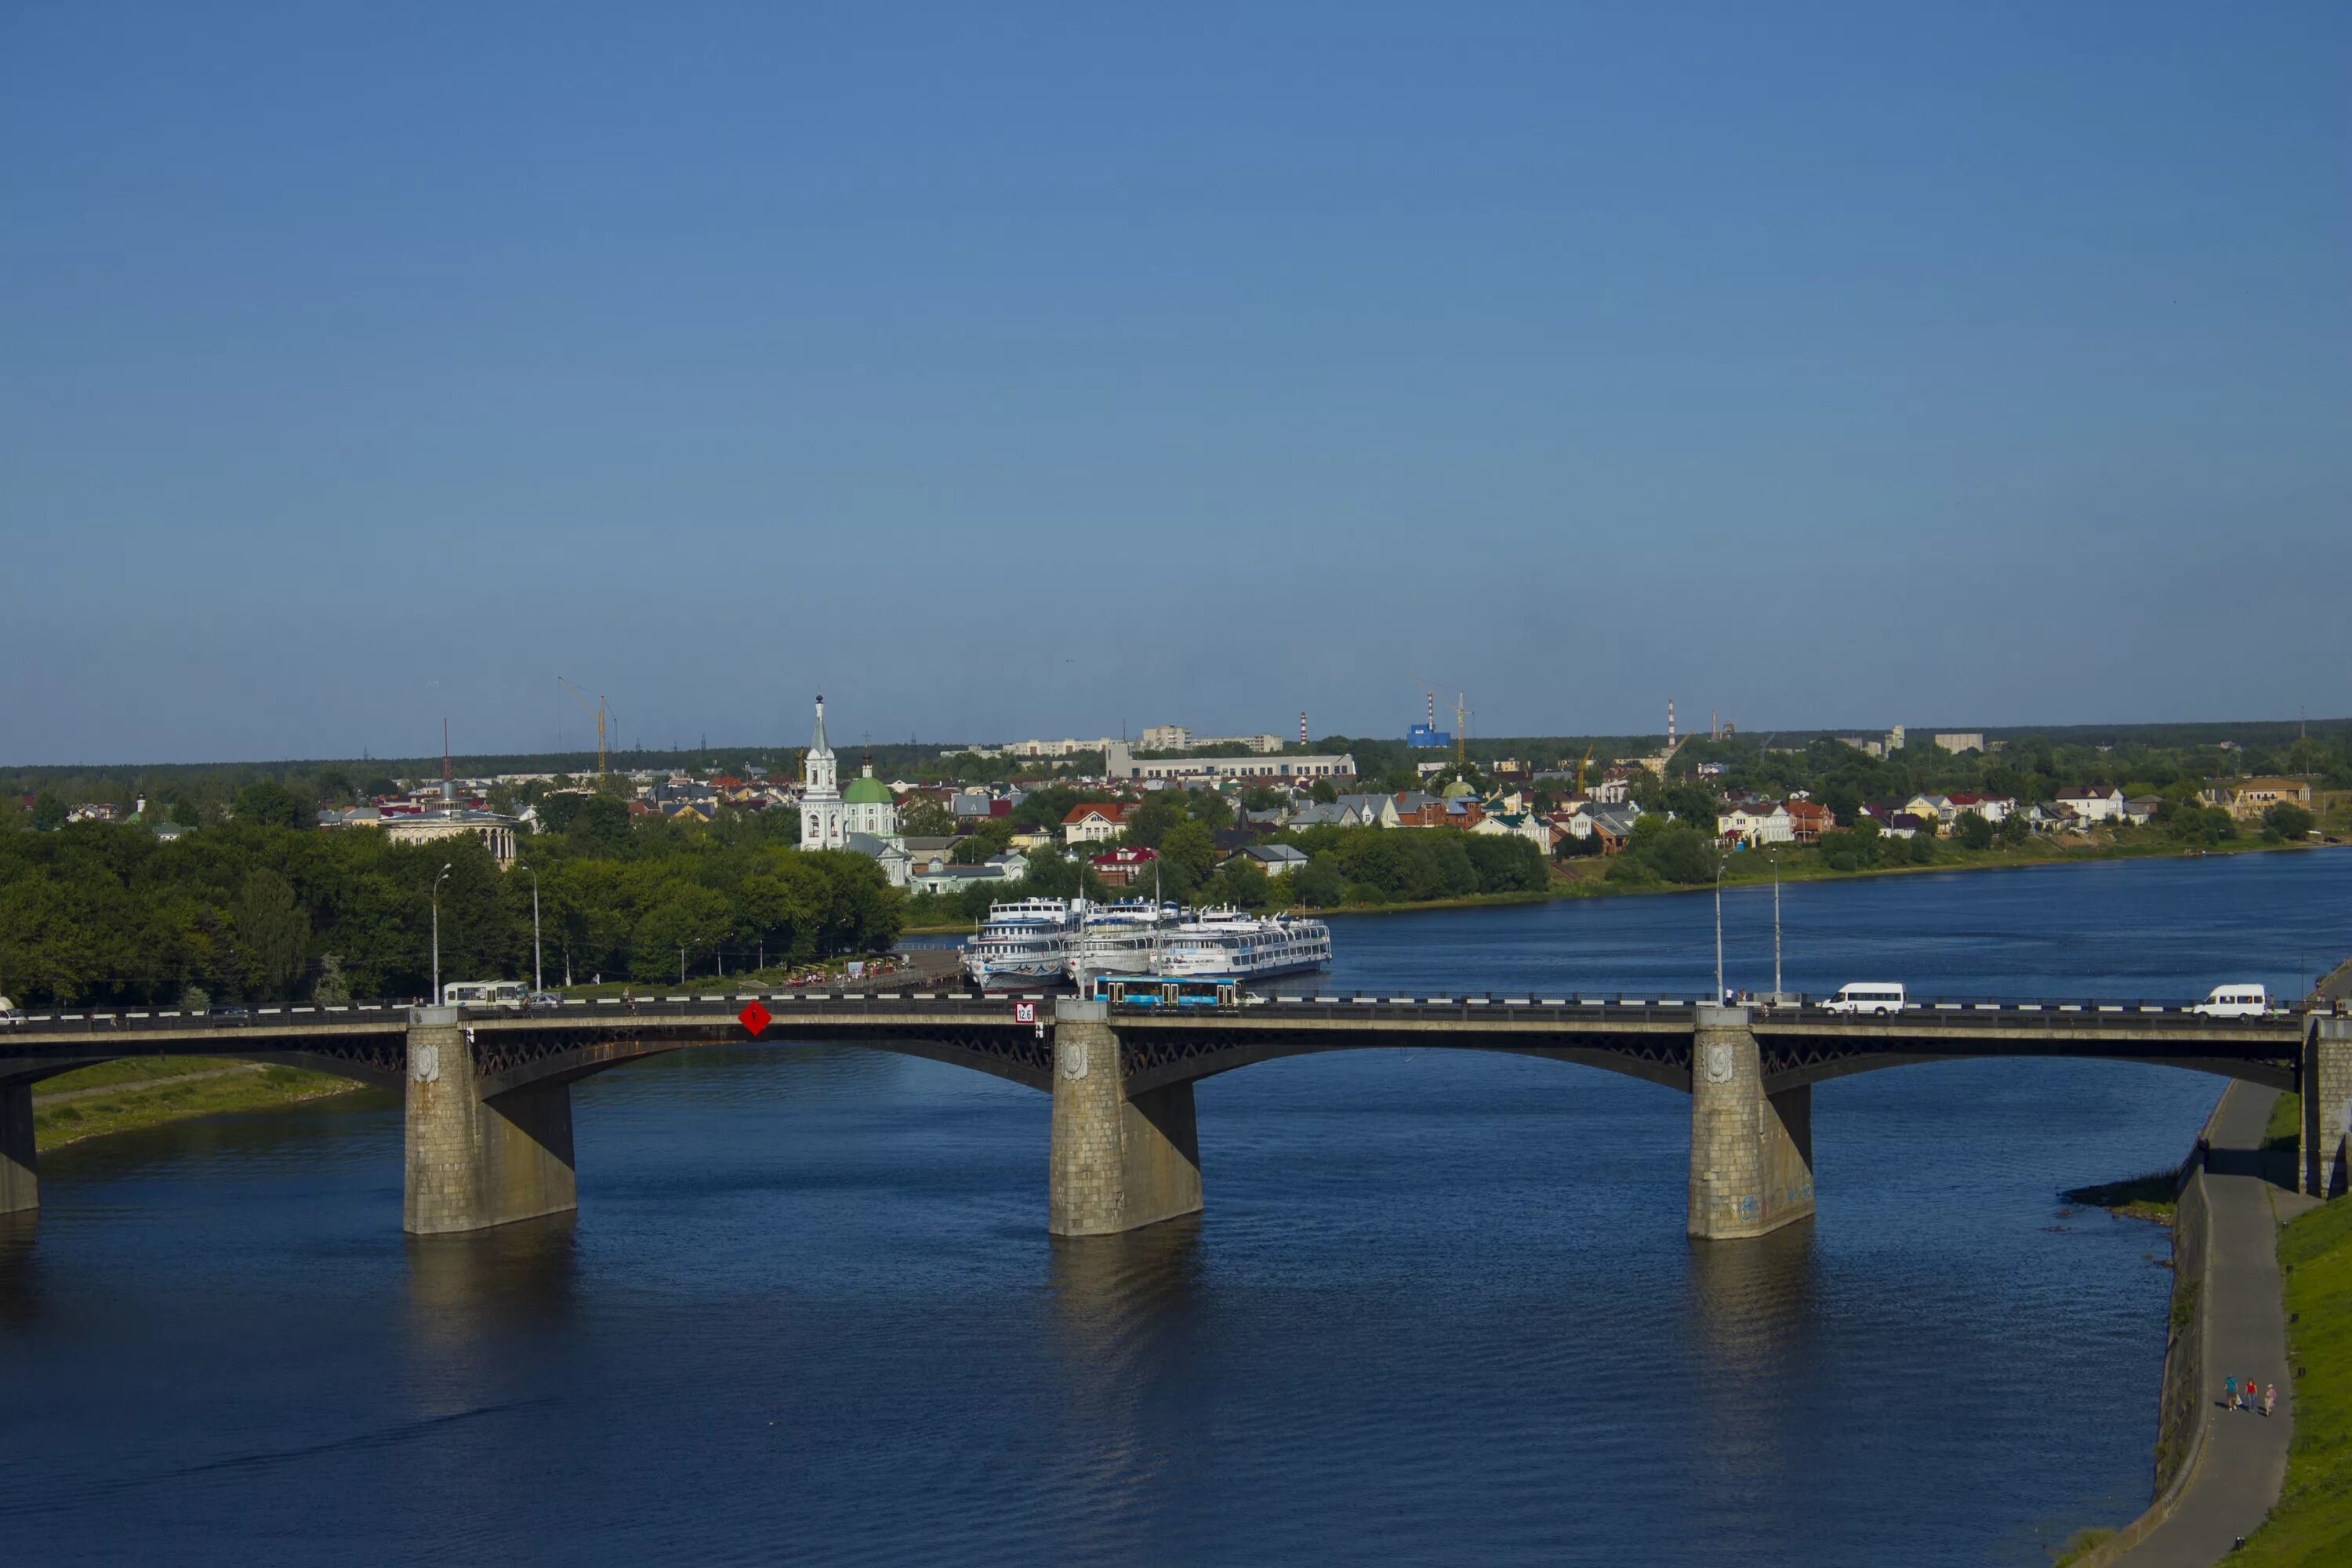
(2182,1407)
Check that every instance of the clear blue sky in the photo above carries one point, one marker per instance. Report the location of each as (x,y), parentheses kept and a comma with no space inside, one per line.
(1003,370)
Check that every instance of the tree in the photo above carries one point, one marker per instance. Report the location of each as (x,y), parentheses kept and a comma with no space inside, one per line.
(333,990)
(986,842)
(1323,792)
(598,824)
(1975,832)
(2015,830)
(48,811)
(1320,883)
(274,931)
(923,818)
(2287,820)
(185,813)
(1191,846)
(270,803)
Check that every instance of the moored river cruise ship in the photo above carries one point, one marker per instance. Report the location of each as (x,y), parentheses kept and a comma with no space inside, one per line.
(1023,944)
(1247,947)
(1118,939)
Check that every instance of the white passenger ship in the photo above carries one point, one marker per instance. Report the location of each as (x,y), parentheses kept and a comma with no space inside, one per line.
(1023,944)
(1118,939)
(1247,947)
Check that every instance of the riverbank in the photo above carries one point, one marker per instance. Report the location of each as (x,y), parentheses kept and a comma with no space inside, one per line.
(132,1093)
(1589,879)
(2219,1471)
(2312,1523)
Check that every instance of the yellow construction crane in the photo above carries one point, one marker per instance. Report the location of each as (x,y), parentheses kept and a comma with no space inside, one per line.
(1581,764)
(599,713)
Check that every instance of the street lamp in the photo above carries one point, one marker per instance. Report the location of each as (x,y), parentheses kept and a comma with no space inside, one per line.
(436,934)
(1776,925)
(1718,923)
(537,983)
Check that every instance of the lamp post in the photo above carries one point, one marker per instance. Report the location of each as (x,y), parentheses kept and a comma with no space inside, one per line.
(537,983)
(1776,926)
(436,934)
(1718,923)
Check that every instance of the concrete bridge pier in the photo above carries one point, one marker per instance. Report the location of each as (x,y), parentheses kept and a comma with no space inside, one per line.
(20,1181)
(2326,1083)
(475,1163)
(1752,1154)
(1118,1163)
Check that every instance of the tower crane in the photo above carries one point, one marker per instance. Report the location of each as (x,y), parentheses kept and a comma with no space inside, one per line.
(599,713)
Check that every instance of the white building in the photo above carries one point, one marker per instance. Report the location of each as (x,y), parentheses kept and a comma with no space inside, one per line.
(1120,763)
(824,817)
(1767,823)
(2090,803)
(863,817)
(1967,740)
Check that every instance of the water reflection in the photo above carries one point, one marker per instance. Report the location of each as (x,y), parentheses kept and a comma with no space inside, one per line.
(1123,1309)
(19,1284)
(1752,1312)
(465,1290)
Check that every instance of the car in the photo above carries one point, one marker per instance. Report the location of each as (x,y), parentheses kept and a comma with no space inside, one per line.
(1877,998)
(2239,1000)
(546,1000)
(231,1015)
(9,1015)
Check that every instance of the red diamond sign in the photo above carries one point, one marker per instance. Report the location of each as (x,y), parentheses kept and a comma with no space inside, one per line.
(754,1018)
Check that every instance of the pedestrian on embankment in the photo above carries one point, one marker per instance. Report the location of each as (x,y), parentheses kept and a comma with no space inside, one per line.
(2270,1397)
(2230,1392)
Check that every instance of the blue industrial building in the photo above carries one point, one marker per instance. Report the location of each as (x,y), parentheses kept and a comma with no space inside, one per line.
(1427,735)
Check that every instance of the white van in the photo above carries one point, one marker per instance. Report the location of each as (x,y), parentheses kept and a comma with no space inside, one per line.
(1868,996)
(2235,1001)
(8,1013)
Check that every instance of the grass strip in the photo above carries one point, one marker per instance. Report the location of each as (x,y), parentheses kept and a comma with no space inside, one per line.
(159,1099)
(2312,1525)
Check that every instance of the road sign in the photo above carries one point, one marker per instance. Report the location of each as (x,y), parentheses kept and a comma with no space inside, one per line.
(753,1019)
(1024,1012)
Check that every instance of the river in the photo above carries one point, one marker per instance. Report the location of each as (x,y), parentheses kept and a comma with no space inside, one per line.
(1440,1308)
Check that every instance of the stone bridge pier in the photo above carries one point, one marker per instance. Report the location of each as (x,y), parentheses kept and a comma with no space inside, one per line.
(474,1162)
(20,1182)
(2326,1085)
(1116,1162)
(1751,1153)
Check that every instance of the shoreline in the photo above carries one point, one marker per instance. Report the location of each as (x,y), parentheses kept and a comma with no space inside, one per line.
(1572,887)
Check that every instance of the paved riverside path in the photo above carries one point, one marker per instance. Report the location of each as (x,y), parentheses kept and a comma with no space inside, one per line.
(2238,1472)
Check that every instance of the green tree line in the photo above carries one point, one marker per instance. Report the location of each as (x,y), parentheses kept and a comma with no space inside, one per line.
(95,914)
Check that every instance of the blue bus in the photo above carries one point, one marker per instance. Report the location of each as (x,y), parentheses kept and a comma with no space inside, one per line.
(1152,991)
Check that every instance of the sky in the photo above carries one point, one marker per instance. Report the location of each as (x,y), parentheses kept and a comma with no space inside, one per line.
(1059,369)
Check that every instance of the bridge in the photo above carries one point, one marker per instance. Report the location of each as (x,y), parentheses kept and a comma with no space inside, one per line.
(488,1108)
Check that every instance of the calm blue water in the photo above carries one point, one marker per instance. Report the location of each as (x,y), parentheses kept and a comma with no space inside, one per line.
(1440,1308)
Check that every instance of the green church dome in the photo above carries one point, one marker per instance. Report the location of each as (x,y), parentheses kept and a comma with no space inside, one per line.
(866,790)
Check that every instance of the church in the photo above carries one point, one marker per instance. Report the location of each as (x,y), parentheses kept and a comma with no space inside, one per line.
(863,817)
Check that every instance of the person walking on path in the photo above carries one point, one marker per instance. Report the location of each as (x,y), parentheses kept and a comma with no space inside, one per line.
(2230,1392)
(2270,1397)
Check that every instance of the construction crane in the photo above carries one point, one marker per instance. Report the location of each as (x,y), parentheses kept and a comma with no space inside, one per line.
(599,713)
(1583,763)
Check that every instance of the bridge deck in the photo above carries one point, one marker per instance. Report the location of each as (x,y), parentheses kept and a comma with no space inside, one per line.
(1648,1036)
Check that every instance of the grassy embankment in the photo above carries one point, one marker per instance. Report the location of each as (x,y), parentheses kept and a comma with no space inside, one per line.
(2153,1197)
(125,1095)
(2312,1524)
